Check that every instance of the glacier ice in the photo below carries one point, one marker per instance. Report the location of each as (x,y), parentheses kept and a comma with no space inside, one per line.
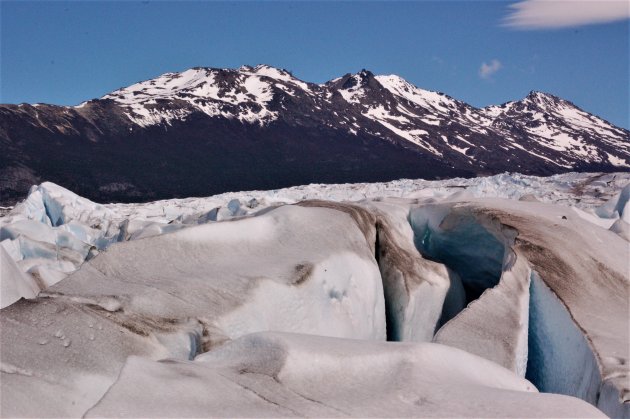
(280,375)
(188,291)
(478,249)
(507,269)
(420,294)
(15,284)
(560,359)
(586,267)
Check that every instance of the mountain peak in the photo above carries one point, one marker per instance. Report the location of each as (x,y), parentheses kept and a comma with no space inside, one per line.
(363,78)
(260,67)
(542,98)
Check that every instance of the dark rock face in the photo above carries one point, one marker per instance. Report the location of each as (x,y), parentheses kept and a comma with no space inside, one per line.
(206,131)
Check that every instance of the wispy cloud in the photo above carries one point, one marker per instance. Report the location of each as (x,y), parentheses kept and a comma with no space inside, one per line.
(487,70)
(549,14)
(437,60)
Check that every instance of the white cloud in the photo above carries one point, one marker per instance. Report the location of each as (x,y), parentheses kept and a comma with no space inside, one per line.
(487,70)
(541,14)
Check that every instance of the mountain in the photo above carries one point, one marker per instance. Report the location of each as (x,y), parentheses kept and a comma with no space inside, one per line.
(205,131)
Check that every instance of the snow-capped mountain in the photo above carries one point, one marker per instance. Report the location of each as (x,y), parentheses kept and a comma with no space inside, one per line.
(208,130)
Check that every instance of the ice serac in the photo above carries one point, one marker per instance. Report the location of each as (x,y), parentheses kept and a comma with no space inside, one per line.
(551,326)
(494,279)
(420,294)
(280,374)
(559,246)
(580,274)
(182,293)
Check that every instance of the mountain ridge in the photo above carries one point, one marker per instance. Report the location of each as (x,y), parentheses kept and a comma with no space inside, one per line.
(261,127)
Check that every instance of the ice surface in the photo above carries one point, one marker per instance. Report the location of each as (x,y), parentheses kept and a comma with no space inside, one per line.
(419,293)
(57,226)
(495,282)
(488,265)
(184,292)
(560,359)
(280,375)
(586,267)
(14,283)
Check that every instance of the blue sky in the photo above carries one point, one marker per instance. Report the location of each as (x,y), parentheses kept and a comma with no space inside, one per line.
(480,52)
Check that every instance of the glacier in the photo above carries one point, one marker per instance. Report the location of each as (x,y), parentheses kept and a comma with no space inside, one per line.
(287,375)
(322,300)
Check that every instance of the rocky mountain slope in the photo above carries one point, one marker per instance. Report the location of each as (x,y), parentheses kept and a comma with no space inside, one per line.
(206,131)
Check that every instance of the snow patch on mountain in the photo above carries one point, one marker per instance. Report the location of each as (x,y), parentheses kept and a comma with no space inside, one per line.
(414,135)
(559,125)
(276,74)
(199,89)
(423,98)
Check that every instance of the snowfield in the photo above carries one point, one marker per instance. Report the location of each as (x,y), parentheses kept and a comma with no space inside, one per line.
(503,296)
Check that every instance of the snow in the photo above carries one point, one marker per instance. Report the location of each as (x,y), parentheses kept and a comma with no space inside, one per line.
(563,127)
(277,74)
(562,141)
(199,88)
(379,112)
(461,150)
(435,122)
(617,161)
(422,98)
(352,95)
(381,116)
(259,89)
(247,95)
(588,122)
(557,163)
